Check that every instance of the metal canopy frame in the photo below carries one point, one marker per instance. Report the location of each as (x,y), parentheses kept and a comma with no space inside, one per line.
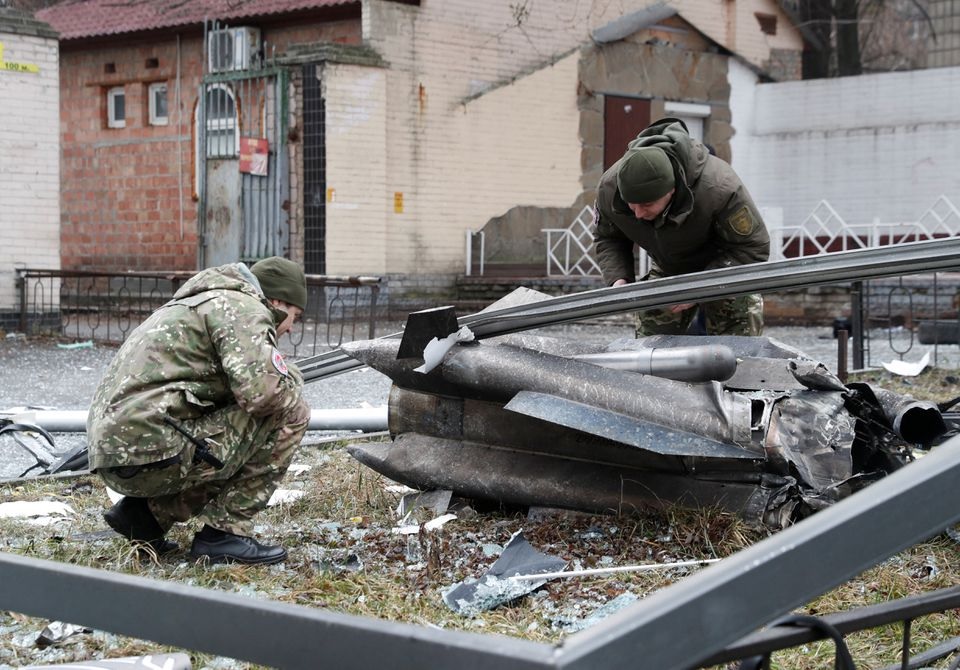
(840,267)
(715,607)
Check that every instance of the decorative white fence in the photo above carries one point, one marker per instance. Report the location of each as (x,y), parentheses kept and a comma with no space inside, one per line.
(569,249)
(824,230)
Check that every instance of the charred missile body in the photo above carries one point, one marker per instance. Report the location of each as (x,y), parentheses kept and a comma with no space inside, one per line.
(744,424)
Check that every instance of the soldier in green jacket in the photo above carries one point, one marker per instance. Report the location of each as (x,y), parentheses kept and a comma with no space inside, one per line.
(199,415)
(690,212)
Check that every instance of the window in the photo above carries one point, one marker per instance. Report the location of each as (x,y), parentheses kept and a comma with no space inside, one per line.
(692,114)
(157,96)
(223,131)
(116,108)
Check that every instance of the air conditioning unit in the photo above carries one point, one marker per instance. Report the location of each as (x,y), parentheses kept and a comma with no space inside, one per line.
(230,49)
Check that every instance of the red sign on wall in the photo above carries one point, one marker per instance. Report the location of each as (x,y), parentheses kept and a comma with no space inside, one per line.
(253,155)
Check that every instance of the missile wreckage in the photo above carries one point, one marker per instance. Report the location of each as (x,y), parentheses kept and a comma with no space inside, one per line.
(745,424)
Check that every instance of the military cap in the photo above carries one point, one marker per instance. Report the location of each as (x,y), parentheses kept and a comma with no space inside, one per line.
(645,175)
(282,279)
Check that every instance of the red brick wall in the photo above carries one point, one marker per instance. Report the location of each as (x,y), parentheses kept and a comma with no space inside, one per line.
(127,198)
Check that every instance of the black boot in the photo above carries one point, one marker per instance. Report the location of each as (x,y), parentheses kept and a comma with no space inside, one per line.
(219,546)
(132,518)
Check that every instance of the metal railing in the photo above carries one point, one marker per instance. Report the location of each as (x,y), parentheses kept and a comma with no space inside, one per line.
(825,231)
(796,273)
(105,306)
(903,611)
(882,306)
(715,607)
(568,249)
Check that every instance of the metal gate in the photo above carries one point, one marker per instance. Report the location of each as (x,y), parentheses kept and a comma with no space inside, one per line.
(241,153)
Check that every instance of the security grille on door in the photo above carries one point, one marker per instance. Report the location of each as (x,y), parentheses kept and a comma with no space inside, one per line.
(241,151)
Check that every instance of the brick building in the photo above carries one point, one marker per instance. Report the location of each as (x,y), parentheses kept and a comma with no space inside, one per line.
(391,128)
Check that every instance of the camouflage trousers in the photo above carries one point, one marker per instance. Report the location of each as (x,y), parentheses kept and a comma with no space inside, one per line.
(255,452)
(736,316)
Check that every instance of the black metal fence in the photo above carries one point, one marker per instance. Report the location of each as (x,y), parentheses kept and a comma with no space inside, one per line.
(106,306)
(906,311)
(710,617)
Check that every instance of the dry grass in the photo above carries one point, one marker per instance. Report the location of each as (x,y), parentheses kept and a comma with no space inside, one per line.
(345,558)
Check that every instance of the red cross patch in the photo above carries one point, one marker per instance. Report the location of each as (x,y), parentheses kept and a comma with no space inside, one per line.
(278,362)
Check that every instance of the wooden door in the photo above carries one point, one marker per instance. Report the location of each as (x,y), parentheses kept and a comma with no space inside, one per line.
(623,119)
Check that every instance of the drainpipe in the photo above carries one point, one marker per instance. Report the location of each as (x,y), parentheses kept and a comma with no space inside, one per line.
(179,138)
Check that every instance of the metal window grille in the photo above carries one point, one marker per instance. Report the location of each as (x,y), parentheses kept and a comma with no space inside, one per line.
(314,174)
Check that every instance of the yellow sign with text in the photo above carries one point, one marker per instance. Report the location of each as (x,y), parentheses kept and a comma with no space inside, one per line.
(17,67)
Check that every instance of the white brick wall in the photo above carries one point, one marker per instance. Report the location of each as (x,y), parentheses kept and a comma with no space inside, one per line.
(879,146)
(29,161)
(356,169)
(457,161)
(480,116)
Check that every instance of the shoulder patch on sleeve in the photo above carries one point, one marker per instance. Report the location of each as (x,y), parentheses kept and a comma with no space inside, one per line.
(741,222)
(279,363)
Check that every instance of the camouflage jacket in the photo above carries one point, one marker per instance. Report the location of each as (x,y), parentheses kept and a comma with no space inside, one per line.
(213,345)
(711,221)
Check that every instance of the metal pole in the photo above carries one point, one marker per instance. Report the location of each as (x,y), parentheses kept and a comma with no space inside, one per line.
(469,252)
(261,631)
(372,325)
(22,285)
(483,250)
(365,419)
(842,338)
(856,323)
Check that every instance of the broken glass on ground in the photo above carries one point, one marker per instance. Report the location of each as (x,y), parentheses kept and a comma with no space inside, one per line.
(57,631)
(573,624)
(435,501)
(495,588)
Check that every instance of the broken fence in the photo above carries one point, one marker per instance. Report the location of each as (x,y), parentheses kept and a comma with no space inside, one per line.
(106,306)
(706,618)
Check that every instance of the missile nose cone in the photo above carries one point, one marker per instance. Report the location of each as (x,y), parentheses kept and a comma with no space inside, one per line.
(356,349)
(371,454)
(381,355)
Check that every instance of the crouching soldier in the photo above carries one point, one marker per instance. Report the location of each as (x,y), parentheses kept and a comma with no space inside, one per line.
(198,414)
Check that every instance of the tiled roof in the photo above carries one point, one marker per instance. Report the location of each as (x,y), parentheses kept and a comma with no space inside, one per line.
(77,19)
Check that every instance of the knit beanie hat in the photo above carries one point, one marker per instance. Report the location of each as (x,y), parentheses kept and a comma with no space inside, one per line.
(645,175)
(281,279)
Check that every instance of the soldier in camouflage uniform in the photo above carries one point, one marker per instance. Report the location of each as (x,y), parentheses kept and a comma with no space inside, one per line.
(206,362)
(690,212)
